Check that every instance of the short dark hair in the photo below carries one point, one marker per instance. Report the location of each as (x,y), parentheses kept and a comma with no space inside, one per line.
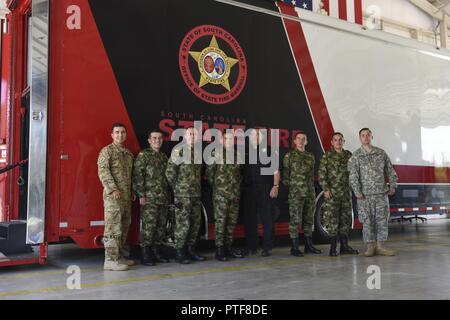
(337,134)
(118,125)
(364,129)
(155,130)
(300,132)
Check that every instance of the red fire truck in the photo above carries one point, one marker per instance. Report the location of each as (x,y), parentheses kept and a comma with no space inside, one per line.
(70,68)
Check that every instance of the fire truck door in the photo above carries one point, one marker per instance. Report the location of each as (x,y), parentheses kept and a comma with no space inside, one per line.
(38,122)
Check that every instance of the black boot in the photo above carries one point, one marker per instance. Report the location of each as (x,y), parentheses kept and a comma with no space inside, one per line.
(295,251)
(333,251)
(146,258)
(231,253)
(192,254)
(309,248)
(249,252)
(220,254)
(180,257)
(345,248)
(266,252)
(157,256)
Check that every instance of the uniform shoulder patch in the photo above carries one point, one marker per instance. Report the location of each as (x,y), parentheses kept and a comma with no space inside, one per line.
(103,156)
(378,150)
(105,152)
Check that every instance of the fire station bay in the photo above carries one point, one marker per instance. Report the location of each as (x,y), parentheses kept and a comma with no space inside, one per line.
(218,150)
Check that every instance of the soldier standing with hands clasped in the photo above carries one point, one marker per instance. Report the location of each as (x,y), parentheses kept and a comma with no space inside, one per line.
(334,179)
(225,177)
(368,168)
(151,187)
(184,176)
(298,176)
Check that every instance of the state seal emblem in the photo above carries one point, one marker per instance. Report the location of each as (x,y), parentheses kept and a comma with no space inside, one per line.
(213,64)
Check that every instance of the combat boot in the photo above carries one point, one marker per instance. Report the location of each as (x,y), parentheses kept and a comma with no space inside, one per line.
(370,249)
(128,262)
(231,253)
(125,251)
(111,265)
(309,248)
(345,248)
(333,246)
(295,251)
(146,257)
(380,250)
(192,254)
(157,256)
(180,257)
(220,254)
(250,252)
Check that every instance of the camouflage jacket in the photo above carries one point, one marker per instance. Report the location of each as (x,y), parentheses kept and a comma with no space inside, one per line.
(298,173)
(184,178)
(368,171)
(224,178)
(115,165)
(149,176)
(333,173)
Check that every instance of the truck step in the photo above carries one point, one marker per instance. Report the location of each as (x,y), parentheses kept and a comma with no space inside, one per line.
(13,237)
(3,230)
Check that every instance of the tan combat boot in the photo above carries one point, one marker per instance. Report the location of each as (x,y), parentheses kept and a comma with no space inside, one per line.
(111,265)
(126,262)
(383,251)
(370,249)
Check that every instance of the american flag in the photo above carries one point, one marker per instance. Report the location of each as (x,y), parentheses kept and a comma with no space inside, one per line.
(350,10)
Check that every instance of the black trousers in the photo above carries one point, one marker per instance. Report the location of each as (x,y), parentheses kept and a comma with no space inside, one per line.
(257,201)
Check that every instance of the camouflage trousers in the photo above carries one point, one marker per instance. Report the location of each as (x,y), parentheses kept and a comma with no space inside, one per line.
(373,212)
(301,215)
(153,224)
(187,221)
(226,212)
(117,224)
(338,216)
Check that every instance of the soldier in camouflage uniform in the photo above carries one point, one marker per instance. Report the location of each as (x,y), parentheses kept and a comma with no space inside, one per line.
(333,177)
(184,176)
(151,187)
(298,176)
(115,165)
(368,167)
(225,179)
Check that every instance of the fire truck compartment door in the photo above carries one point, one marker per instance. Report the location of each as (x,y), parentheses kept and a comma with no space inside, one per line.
(38,121)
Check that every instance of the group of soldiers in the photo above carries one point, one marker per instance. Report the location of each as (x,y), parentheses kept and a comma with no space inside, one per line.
(152,176)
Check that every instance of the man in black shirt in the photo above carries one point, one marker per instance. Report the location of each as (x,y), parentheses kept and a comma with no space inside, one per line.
(261,184)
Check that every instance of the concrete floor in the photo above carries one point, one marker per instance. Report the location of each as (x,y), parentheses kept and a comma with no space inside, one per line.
(419,271)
